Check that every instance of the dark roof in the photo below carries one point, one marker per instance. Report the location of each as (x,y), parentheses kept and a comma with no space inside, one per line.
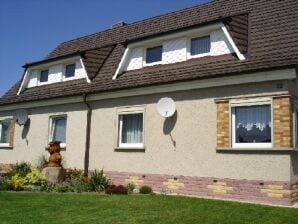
(267,32)
(238,29)
(94,60)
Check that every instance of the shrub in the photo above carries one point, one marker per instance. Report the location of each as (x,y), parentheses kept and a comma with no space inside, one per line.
(74,175)
(81,187)
(47,187)
(31,181)
(98,181)
(17,182)
(113,189)
(145,190)
(5,184)
(22,169)
(35,177)
(130,187)
(65,187)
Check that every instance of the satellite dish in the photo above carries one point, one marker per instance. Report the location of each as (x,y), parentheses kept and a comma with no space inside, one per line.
(166,107)
(21,116)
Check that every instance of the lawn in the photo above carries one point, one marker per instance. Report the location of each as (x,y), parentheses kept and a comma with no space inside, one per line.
(78,208)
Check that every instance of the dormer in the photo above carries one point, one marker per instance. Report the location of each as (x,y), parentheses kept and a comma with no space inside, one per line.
(208,40)
(63,68)
(53,71)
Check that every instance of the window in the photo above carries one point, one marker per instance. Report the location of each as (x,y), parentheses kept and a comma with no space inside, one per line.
(70,70)
(58,130)
(44,76)
(200,46)
(153,54)
(252,125)
(5,132)
(131,129)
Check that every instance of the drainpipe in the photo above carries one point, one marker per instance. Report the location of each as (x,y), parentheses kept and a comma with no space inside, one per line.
(88,131)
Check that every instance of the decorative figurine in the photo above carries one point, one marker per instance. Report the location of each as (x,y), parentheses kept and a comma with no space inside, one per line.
(55,156)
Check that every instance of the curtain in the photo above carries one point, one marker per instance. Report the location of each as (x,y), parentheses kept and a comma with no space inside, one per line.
(5,126)
(132,128)
(59,129)
(200,45)
(253,124)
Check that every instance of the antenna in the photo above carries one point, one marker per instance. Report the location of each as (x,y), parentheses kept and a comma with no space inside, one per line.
(166,107)
(21,116)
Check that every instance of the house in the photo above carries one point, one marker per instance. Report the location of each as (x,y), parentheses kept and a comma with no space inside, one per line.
(229,66)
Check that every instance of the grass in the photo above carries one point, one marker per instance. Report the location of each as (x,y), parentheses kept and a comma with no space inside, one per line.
(91,208)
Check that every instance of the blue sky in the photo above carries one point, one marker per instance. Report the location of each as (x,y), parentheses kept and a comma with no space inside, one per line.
(30,29)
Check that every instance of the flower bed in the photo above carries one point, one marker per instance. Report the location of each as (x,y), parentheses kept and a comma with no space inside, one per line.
(25,177)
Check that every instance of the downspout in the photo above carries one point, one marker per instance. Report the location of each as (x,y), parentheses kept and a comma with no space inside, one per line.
(88,132)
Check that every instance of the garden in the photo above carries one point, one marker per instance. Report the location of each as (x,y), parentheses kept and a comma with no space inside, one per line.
(27,197)
(26,177)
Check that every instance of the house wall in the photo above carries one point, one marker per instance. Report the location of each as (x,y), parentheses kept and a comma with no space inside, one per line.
(185,145)
(182,145)
(180,152)
(30,141)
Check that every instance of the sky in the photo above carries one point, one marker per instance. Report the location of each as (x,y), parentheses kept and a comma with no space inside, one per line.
(30,29)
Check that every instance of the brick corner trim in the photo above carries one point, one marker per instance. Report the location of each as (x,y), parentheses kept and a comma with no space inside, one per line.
(223,138)
(283,122)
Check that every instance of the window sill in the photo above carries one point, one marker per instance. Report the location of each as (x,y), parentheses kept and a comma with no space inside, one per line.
(6,147)
(61,148)
(130,149)
(152,63)
(257,150)
(198,55)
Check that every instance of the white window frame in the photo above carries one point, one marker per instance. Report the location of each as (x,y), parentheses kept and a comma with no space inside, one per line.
(124,111)
(1,120)
(188,53)
(249,102)
(51,129)
(145,55)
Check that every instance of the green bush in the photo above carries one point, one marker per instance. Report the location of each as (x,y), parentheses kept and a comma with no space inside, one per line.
(98,181)
(130,187)
(5,184)
(22,169)
(78,180)
(47,187)
(64,187)
(17,182)
(145,190)
(25,177)
(74,174)
(35,177)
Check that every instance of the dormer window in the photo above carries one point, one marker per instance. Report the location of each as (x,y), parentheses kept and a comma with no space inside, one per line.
(200,46)
(70,70)
(44,76)
(154,55)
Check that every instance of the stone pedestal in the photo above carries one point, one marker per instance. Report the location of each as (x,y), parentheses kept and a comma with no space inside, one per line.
(54,174)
